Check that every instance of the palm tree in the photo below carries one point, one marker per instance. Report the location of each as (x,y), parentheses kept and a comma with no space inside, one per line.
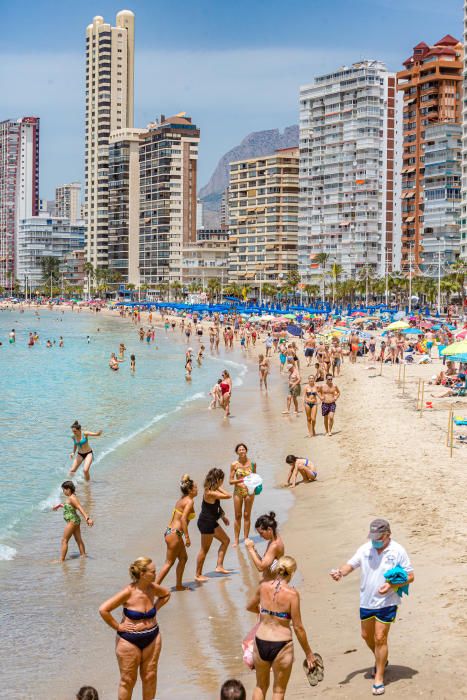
(311,291)
(365,274)
(234,290)
(195,287)
(50,269)
(89,272)
(214,287)
(459,271)
(336,272)
(322,259)
(269,290)
(177,287)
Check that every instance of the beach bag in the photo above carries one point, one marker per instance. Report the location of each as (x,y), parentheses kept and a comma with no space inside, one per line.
(248,646)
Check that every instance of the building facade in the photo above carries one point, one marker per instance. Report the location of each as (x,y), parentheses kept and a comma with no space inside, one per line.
(109,107)
(168,170)
(42,236)
(442,197)
(431,83)
(19,187)
(207,258)
(72,268)
(263,218)
(68,202)
(350,142)
(463,244)
(124,203)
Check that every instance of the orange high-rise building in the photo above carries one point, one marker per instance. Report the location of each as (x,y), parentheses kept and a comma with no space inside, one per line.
(432,85)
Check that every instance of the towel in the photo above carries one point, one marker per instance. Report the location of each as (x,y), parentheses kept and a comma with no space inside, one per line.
(396,576)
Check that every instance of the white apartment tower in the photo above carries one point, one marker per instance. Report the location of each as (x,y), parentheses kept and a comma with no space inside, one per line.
(67,202)
(463,240)
(350,187)
(109,107)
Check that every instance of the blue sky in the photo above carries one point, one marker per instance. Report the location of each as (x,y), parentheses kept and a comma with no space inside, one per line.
(235,67)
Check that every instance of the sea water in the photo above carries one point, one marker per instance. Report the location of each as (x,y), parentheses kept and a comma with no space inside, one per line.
(43,390)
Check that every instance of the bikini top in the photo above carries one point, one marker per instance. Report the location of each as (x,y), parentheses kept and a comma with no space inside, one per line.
(138,615)
(311,393)
(81,442)
(190,516)
(274,613)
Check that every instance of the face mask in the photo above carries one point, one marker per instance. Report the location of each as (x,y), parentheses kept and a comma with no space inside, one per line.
(377,544)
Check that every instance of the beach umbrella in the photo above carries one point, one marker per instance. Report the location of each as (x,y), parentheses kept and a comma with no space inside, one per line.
(462,335)
(397,326)
(458,358)
(291,316)
(455,349)
(413,331)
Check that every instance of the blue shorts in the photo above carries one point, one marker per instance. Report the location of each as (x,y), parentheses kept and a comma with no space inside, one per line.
(386,615)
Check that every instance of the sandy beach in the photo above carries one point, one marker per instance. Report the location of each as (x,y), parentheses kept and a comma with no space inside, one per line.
(383,461)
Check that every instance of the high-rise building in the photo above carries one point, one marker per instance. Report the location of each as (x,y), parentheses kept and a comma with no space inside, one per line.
(440,240)
(263,218)
(109,107)
(431,83)
(207,258)
(463,244)
(124,203)
(168,168)
(350,142)
(67,202)
(19,187)
(44,236)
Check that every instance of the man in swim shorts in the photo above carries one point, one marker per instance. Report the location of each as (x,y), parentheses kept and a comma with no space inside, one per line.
(328,393)
(378,598)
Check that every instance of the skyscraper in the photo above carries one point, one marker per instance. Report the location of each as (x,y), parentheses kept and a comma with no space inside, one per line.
(263,218)
(67,202)
(349,186)
(168,169)
(431,83)
(109,106)
(19,187)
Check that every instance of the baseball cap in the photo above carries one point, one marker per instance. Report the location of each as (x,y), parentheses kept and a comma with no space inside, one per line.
(378,527)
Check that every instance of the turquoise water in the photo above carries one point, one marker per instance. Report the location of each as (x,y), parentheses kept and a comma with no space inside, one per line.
(44,390)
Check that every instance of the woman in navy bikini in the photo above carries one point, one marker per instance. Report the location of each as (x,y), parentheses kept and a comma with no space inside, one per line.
(310,404)
(82,452)
(138,637)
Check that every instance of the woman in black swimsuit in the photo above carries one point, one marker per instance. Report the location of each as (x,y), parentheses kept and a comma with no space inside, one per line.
(310,404)
(279,607)
(208,525)
(138,638)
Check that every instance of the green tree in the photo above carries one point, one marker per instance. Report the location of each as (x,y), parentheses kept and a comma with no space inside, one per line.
(50,267)
(214,288)
(269,290)
(336,274)
(322,260)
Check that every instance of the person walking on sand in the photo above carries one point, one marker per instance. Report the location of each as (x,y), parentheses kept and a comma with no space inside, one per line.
(278,605)
(263,366)
(72,519)
(266,527)
(294,388)
(139,640)
(310,404)
(82,451)
(177,529)
(243,501)
(226,392)
(211,513)
(379,599)
(328,393)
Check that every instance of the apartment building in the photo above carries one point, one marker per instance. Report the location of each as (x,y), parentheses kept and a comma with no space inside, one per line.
(124,203)
(263,218)
(68,202)
(463,222)
(19,188)
(207,258)
(350,143)
(109,107)
(168,171)
(431,84)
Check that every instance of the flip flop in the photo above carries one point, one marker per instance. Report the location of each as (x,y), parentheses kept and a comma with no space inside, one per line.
(316,674)
(378,689)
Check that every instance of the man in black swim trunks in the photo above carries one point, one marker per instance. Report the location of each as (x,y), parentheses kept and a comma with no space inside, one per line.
(328,393)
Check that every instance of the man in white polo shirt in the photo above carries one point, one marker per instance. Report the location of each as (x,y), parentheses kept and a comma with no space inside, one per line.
(378,598)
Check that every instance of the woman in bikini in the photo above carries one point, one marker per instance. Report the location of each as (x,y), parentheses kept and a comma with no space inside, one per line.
(138,638)
(278,605)
(302,466)
(263,366)
(266,527)
(72,519)
(242,500)
(177,529)
(211,513)
(82,452)
(310,404)
(226,390)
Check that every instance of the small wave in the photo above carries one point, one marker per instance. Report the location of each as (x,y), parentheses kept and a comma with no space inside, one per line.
(7,553)
(238,381)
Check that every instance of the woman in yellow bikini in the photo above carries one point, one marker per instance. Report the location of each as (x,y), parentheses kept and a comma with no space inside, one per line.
(242,500)
(177,529)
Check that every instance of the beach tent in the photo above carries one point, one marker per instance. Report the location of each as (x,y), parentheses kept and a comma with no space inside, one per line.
(455,349)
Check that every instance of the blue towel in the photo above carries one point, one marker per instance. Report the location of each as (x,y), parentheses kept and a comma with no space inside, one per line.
(396,576)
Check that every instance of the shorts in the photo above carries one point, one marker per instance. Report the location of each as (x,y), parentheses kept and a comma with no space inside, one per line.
(309,352)
(336,362)
(206,526)
(295,390)
(386,615)
(328,408)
